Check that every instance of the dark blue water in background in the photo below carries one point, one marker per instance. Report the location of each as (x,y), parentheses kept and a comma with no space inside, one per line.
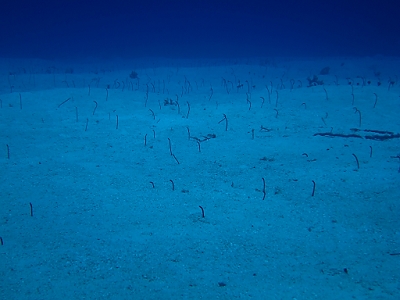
(197,29)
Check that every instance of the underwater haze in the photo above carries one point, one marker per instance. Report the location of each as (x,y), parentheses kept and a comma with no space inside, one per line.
(198,29)
(199,149)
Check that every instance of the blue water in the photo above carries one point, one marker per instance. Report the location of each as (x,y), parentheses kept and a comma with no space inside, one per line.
(199,150)
(193,29)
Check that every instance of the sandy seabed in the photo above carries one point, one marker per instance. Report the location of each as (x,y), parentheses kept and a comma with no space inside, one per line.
(104,167)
